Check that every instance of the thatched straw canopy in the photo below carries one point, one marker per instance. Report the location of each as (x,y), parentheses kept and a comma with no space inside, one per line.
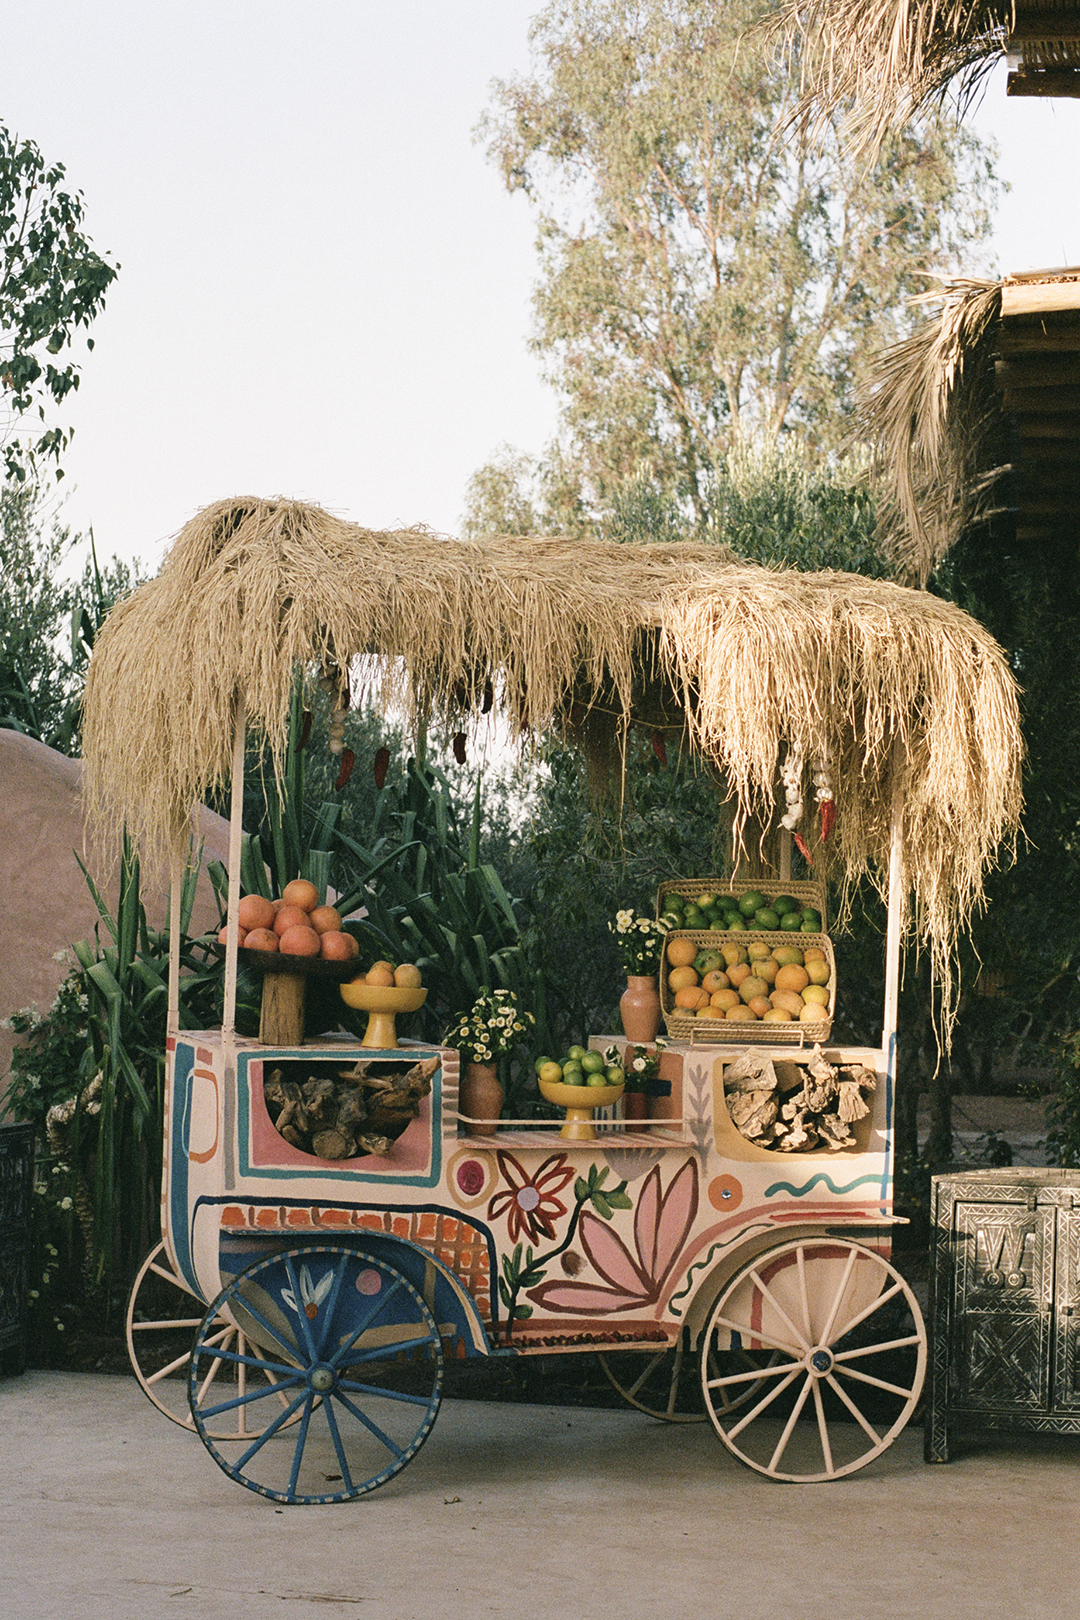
(883,62)
(987,388)
(889,688)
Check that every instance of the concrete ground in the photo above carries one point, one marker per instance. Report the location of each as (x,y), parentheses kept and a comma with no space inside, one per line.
(109,1512)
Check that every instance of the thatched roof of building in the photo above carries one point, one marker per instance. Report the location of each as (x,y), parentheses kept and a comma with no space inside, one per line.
(883,62)
(891,688)
(979,410)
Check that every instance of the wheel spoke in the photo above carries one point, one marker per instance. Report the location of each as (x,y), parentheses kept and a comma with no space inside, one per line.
(767,1400)
(878,1383)
(248,1399)
(382,1392)
(650,1368)
(767,1293)
(332,1425)
(875,1305)
(250,1310)
(876,1349)
(299,1305)
(793,1418)
(800,1265)
(379,1352)
(370,1424)
(863,1422)
(726,1380)
(298,1449)
(235,1359)
(272,1428)
(163,1326)
(369,1319)
(769,1341)
(827,1334)
(823,1428)
(172,1277)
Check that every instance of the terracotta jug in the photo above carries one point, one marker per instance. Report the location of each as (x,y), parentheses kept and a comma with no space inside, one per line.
(481,1098)
(639,1005)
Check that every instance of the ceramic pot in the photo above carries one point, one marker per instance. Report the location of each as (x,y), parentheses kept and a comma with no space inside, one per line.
(639,1005)
(635,1105)
(481,1098)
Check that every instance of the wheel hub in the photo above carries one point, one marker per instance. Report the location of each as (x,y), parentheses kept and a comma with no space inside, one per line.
(322,1379)
(821,1361)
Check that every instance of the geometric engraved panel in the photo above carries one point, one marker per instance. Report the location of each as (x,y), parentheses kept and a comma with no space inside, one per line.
(1005,1360)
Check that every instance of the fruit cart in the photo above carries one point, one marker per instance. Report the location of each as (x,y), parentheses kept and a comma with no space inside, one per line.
(326,1293)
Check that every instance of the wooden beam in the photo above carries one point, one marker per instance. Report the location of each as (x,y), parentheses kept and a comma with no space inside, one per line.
(1031,297)
(1050,400)
(1039,371)
(1044,82)
(1036,27)
(1049,452)
(1041,339)
(1035,425)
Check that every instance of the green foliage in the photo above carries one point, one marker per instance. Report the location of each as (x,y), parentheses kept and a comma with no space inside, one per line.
(52,282)
(47,627)
(709,272)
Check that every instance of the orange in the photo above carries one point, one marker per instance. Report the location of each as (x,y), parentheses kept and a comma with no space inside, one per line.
(777,1015)
(680,977)
(299,941)
(407,977)
(255,912)
(737,973)
(741,1015)
(792,977)
(760,1006)
(338,947)
(326,920)
(301,893)
(261,939)
(681,952)
(723,999)
(817,970)
(290,917)
(381,974)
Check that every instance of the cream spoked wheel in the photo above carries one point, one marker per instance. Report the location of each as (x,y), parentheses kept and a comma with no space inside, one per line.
(846,1348)
(665,1382)
(163,1316)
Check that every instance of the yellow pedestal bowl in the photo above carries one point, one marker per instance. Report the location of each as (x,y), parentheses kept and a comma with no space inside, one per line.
(579,1102)
(382,1003)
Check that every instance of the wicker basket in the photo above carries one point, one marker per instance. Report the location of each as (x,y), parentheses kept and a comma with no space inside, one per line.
(683,1026)
(805,891)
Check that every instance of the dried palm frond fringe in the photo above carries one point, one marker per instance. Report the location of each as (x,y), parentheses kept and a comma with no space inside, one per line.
(883,62)
(891,687)
(931,410)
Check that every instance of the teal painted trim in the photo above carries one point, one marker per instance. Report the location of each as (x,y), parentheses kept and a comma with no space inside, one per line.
(298,1173)
(799,1192)
(679,1298)
(180,1232)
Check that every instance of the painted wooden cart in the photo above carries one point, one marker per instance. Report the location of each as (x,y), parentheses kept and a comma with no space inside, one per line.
(329,1293)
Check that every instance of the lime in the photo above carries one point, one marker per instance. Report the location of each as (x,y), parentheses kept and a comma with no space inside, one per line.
(693,918)
(767,918)
(576,1053)
(597,1080)
(615,1076)
(716,917)
(551,1073)
(791,922)
(750,902)
(593,1063)
(810,927)
(541,1062)
(573,1074)
(736,920)
(783,904)
(809,915)
(705,900)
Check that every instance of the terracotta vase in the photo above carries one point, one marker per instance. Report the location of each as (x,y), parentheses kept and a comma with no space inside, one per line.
(635,1105)
(639,1005)
(481,1098)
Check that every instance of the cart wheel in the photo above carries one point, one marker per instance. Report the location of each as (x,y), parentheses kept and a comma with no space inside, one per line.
(666,1382)
(360,1365)
(847,1355)
(159,1340)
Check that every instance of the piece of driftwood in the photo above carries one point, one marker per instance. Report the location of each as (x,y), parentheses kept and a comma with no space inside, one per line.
(794,1105)
(336,1113)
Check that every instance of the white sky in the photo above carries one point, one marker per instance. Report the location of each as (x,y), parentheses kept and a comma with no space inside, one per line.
(324,289)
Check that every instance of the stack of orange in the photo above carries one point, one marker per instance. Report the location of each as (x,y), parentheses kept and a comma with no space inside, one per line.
(778,984)
(295,925)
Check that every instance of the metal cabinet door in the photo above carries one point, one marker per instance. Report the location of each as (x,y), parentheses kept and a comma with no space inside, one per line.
(1003,1282)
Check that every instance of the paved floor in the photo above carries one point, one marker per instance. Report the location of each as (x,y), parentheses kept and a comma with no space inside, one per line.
(108,1512)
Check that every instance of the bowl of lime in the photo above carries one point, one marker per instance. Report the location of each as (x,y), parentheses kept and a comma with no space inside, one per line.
(581,1083)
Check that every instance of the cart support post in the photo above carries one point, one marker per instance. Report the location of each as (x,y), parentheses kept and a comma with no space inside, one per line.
(236,828)
(172,1020)
(895,917)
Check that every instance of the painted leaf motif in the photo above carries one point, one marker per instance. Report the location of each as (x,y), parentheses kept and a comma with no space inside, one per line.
(611,1258)
(579,1299)
(662,1222)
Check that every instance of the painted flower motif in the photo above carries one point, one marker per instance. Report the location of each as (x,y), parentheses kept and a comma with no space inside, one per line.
(530,1203)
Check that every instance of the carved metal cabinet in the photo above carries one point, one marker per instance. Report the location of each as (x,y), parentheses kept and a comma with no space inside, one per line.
(1004,1304)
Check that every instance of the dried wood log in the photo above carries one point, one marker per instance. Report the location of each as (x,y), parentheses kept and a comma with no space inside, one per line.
(753,1112)
(343,1113)
(813,1101)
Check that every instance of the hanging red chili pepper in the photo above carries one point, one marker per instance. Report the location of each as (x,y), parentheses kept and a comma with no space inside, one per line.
(489,698)
(828,817)
(659,747)
(458,746)
(348,760)
(305,731)
(380,767)
(800,845)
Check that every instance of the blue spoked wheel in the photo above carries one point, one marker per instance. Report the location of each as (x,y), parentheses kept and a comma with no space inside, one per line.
(351,1354)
